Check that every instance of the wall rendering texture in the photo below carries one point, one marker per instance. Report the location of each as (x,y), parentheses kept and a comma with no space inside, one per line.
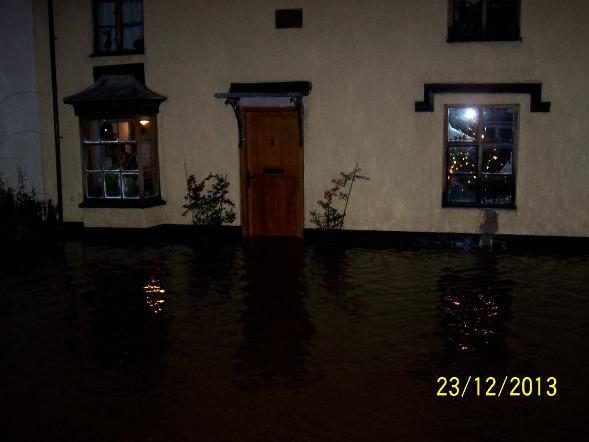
(367,61)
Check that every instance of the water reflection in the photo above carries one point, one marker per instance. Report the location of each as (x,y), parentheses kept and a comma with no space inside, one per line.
(154,295)
(331,272)
(277,329)
(124,295)
(475,303)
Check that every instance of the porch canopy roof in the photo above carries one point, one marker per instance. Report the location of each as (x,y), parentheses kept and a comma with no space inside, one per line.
(117,94)
(279,94)
(295,89)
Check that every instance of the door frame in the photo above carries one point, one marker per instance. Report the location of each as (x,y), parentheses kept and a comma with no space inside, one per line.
(246,227)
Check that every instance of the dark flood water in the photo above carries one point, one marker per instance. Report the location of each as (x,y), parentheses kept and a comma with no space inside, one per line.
(285,341)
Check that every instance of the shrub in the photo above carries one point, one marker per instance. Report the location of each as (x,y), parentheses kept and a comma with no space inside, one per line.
(22,215)
(329,217)
(207,201)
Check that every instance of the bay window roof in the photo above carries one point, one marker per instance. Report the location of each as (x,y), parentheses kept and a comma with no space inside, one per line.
(115,93)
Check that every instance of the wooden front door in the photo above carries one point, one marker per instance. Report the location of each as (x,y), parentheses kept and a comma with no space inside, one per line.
(272,173)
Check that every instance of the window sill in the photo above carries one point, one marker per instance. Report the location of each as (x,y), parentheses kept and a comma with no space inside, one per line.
(115,53)
(481,39)
(477,206)
(121,204)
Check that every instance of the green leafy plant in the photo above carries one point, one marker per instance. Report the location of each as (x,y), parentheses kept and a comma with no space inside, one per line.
(329,216)
(207,200)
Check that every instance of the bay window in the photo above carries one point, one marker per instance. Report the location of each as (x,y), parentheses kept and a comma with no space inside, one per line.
(120,158)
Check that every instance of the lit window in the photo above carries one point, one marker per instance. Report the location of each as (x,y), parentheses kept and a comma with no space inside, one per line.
(480,20)
(118,26)
(120,158)
(119,142)
(480,156)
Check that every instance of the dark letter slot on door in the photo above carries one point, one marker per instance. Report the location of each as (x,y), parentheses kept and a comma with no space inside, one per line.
(273,170)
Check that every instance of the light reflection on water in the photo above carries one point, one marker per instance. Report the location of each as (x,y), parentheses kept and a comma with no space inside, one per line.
(154,295)
(280,340)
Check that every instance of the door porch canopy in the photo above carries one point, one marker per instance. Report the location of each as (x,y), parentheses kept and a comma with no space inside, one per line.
(277,94)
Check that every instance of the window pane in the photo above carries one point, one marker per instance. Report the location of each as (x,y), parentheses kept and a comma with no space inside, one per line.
(497,160)
(147,155)
(107,39)
(94,157)
(129,157)
(132,11)
(112,185)
(462,160)
(133,38)
(113,156)
(497,125)
(462,123)
(130,185)
(91,130)
(126,131)
(108,130)
(502,19)
(106,31)
(105,13)
(467,18)
(146,126)
(94,185)
(150,183)
(461,189)
(497,189)
(133,25)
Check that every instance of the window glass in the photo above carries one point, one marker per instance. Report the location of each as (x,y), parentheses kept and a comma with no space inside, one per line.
(480,169)
(497,160)
(497,189)
(501,19)
(126,132)
(461,189)
(462,160)
(119,26)
(497,125)
(115,165)
(94,157)
(105,13)
(132,12)
(94,188)
(130,185)
(129,157)
(112,158)
(463,123)
(146,129)
(467,17)
(91,131)
(149,183)
(147,155)
(106,28)
(112,185)
(473,20)
(133,38)
(108,130)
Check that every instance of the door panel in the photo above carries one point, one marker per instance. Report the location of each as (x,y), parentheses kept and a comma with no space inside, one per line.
(272,171)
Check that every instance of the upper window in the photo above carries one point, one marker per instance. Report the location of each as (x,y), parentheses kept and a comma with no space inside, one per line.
(480,156)
(120,158)
(118,27)
(480,20)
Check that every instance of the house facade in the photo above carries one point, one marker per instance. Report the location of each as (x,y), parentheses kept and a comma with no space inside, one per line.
(450,108)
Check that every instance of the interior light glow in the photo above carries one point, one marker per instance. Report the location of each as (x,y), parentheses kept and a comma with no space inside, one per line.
(144,122)
(470,113)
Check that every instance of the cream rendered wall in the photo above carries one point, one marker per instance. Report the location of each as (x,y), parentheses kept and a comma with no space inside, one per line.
(368,61)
